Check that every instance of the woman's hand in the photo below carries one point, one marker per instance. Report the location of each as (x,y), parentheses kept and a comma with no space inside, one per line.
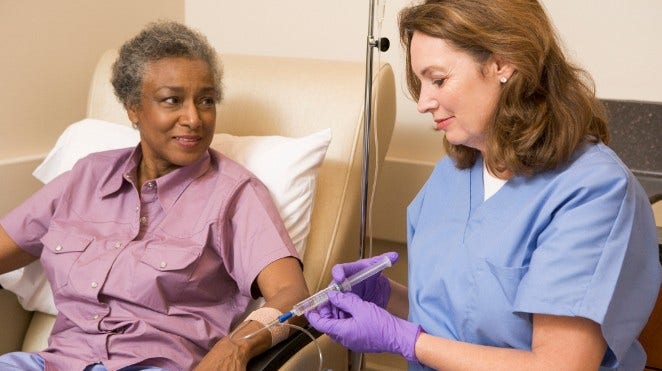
(375,289)
(227,354)
(363,326)
(234,351)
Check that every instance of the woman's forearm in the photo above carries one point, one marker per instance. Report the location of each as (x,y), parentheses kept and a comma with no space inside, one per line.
(398,303)
(559,343)
(11,256)
(454,355)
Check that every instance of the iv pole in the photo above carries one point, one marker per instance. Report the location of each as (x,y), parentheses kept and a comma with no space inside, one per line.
(383,45)
(356,359)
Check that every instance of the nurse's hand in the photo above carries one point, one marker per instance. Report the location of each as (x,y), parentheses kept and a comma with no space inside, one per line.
(375,289)
(364,327)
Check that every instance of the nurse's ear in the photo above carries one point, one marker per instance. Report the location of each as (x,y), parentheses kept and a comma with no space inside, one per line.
(500,69)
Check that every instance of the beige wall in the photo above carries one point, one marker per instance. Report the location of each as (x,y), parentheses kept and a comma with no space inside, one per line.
(49,49)
(615,40)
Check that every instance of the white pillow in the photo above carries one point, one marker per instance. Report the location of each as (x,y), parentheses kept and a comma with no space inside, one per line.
(79,140)
(287,166)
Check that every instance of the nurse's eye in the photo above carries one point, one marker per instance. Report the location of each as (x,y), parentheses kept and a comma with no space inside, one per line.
(438,82)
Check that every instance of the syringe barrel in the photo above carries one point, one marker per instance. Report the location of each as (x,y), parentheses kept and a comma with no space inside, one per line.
(314,300)
(322,296)
(370,271)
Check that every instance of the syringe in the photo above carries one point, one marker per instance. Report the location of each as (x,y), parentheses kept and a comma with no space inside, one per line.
(322,296)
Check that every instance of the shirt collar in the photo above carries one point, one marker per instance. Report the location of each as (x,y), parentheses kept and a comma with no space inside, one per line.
(169,186)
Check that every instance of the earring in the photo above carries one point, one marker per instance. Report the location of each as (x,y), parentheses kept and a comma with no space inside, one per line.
(503,79)
(135,125)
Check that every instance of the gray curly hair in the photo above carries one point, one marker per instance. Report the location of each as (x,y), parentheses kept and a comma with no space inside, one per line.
(162,39)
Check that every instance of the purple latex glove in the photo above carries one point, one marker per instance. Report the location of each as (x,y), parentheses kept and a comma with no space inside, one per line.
(367,328)
(375,289)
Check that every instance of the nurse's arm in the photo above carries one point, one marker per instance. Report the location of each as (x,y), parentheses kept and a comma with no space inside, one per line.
(558,343)
(398,303)
(11,255)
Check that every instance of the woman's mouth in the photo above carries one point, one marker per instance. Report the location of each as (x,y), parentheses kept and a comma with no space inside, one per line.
(442,124)
(187,140)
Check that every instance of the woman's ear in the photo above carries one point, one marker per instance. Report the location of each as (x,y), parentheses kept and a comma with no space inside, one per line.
(133,114)
(502,69)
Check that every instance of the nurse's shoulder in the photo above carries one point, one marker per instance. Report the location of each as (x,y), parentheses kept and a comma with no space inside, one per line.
(595,170)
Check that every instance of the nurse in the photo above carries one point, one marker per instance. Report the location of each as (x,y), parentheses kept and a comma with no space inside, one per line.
(531,241)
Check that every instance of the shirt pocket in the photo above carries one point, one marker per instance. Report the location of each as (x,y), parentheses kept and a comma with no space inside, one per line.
(61,252)
(507,278)
(493,321)
(163,273)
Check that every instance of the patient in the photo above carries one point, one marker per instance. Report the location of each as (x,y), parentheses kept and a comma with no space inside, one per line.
(154,252)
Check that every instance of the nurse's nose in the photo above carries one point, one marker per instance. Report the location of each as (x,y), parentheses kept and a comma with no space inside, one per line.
(426,102)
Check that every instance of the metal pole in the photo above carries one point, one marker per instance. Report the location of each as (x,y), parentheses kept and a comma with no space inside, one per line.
(356,359)
(367,116)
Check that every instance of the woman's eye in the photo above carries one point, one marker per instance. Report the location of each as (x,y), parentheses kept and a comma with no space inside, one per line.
(172,100)
(438,82)
(209,101)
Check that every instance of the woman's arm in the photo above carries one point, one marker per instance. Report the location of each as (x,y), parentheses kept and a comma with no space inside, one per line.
(559,343)
(282,285)
(398,303)
(11,255)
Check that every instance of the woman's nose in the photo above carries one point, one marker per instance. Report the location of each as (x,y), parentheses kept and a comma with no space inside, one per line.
(190,115)
(426,103)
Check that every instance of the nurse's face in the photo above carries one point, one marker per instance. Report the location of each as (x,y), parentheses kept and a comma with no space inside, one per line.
(176,115)
(460,93)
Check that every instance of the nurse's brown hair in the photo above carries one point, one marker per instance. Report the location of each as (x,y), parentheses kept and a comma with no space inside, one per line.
(546,109)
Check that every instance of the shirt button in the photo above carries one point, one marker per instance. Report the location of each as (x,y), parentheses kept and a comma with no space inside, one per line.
(143,220)
(58,248)
(94,285)
(127,176)
(150,185)
(138,208)
(96,316)
(118,245)
(163,265)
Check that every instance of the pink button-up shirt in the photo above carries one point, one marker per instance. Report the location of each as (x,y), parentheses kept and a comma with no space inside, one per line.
(154,278)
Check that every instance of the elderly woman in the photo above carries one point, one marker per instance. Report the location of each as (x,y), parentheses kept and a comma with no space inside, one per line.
(154,252)
(531,246)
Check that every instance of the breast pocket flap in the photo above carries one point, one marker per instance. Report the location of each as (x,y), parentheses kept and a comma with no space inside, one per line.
(169,259)
(61,242)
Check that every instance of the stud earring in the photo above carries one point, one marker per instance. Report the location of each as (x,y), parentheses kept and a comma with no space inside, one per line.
(503,79)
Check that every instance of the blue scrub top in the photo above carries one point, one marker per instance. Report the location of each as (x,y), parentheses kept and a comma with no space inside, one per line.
(577,241)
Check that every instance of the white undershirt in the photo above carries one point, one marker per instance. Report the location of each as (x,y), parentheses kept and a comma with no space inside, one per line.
(491,184)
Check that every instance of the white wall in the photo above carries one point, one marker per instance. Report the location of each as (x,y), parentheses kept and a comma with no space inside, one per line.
(615,40)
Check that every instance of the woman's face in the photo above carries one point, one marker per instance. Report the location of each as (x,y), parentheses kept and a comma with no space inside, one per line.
(176,116)
(460,93)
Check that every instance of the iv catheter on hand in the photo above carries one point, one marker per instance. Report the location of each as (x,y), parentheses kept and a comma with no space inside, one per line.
(322,296)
